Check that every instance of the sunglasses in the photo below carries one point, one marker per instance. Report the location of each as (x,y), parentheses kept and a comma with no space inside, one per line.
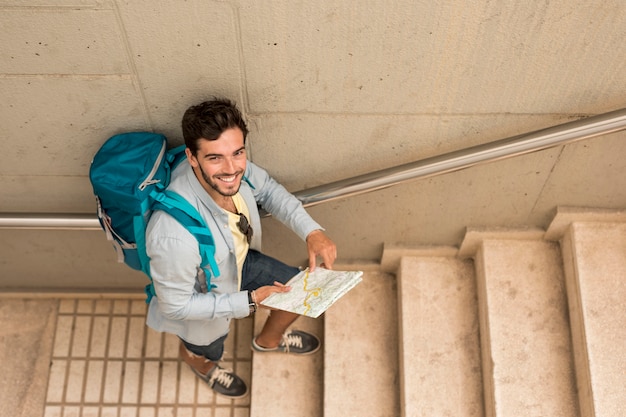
(244,227)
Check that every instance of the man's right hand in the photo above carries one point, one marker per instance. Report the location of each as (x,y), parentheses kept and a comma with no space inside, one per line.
(262,293)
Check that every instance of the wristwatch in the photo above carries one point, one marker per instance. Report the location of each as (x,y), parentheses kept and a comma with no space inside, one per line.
(251,303)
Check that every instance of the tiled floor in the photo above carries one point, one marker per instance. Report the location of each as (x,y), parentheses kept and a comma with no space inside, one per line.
(107,363)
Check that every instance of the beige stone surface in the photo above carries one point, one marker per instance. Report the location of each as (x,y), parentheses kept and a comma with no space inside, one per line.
(439,341)
(523,319)
(288,385)
(330,92)
(474,237)
(393,255)
(26,336)
(63,40)
(595,261)
(361,375)
(474,57)
(566,215)
(89,248)
(106,361)
(525,337)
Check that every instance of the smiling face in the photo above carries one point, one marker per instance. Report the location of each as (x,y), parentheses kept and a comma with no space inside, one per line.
(220,164)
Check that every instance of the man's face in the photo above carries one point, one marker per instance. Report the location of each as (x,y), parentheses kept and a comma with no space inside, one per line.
(220,164)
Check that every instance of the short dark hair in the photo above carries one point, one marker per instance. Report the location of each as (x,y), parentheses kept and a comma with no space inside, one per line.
(209,119)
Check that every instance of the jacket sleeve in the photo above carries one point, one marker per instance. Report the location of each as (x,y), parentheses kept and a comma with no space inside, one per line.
(280,203)
(174,262)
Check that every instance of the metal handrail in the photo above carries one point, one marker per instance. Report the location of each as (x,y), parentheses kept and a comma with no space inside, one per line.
(453,161)
(49,221)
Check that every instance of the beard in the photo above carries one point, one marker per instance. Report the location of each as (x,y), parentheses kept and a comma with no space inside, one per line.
(226,192)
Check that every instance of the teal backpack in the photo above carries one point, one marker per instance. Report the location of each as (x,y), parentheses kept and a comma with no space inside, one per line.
(129,175)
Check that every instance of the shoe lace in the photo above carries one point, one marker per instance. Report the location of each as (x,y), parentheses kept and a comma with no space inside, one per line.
(291,339)
(222,376)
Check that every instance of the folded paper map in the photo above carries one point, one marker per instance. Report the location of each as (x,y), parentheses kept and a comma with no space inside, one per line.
(313,292)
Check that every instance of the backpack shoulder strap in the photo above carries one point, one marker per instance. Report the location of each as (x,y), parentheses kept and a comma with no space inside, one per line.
(187,215)
(175,156)
(139,222)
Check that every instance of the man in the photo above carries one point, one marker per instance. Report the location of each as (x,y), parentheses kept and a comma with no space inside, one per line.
(225,188)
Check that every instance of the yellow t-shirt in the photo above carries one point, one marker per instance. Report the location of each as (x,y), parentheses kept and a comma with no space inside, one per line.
(241,244)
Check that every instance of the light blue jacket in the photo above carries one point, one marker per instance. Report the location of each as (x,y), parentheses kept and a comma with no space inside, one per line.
(179,307)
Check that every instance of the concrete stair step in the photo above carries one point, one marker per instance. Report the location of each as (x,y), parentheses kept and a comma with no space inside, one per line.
(524,330)
(284,384)
(361,353)
(439,340)
(525,338)
(513,331)
(594,255)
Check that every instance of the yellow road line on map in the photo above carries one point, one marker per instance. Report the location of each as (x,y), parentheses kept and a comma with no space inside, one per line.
(315,292)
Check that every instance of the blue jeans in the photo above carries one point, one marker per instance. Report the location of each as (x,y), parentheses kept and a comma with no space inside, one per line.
(258,270)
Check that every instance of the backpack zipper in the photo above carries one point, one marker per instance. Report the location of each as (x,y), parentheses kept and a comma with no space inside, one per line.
(149,179)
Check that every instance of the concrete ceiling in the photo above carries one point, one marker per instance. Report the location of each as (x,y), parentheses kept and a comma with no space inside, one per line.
(331,91)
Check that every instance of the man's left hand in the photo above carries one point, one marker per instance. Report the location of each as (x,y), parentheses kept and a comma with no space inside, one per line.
(318,244)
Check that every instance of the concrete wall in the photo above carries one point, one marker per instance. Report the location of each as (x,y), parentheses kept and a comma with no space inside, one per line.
(331,90)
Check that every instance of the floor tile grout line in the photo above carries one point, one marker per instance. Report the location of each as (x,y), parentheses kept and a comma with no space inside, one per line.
(176,388)
(101,315)
(79,310)
(160,373)
(196,394)
(139,404)
(54,345)
(105,363)
(124,355)
(88,351)
(235,361)
(68,362)
(142,363)
(101,358)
